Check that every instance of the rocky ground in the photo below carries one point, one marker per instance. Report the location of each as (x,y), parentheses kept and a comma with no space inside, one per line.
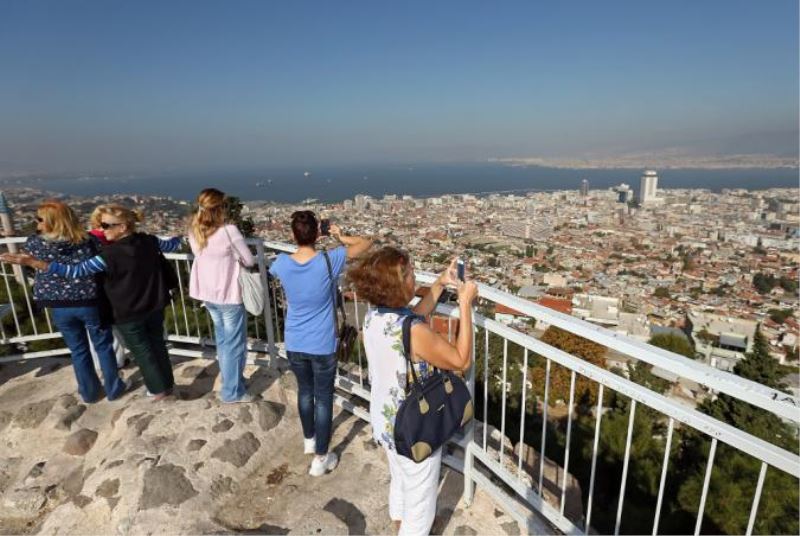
(191,465)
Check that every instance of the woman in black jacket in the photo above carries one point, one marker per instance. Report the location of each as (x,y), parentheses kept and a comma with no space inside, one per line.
(137,280)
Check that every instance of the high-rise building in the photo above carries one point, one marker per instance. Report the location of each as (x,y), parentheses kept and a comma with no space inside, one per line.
(624,193)
(584,188)
(362,201)
(648,187)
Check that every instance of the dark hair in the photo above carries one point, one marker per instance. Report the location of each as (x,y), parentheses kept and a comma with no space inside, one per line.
(379,277)
(305,227)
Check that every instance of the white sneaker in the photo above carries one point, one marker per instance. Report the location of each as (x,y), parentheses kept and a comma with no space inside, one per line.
(320,466)
(309,445)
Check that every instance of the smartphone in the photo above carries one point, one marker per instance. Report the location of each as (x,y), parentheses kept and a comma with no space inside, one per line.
(460,268)
(325,227)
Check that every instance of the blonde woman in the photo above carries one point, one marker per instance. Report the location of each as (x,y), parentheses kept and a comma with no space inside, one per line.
(219,251)
(137,284)
(74,303)
(104,305)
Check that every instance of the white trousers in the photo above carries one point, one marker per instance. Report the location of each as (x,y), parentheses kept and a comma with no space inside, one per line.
(119,350)
(412,492)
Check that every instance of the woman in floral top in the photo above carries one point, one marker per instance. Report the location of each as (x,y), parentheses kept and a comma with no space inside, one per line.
(385,279)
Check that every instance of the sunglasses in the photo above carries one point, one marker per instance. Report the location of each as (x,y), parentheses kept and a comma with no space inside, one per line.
(106,226)
(39,219)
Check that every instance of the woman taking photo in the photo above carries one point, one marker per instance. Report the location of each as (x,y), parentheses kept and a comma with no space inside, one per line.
(385,279)
(310,330)
(74,303)
(136,280)
(219,249)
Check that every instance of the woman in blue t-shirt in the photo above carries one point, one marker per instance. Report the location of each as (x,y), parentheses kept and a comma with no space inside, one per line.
(310,330)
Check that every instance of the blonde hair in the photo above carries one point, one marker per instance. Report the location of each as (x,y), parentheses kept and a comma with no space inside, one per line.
(61,222)
(95,218)
(129,217)
(209,217)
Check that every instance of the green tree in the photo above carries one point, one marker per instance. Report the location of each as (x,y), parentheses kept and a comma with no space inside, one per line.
(234,216)
(788,284)
(673,343)
(735,473)
(661,292)
(763,283)
(780,315)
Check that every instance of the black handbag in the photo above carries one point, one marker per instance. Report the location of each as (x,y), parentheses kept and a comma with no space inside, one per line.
(434,409)
(346,335)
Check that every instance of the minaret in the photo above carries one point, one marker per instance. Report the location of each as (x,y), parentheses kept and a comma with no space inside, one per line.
(8,232)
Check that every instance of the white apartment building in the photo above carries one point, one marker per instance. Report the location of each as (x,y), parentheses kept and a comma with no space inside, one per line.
(648,187)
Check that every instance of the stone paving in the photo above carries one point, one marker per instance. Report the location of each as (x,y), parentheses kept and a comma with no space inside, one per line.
(192,465)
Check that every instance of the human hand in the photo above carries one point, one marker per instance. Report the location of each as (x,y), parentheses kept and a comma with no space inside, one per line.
(16,258)
(467,292)
(335,231)
(26,260)
(448,278)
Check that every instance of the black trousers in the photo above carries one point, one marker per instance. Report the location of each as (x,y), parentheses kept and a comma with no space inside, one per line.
(145,340)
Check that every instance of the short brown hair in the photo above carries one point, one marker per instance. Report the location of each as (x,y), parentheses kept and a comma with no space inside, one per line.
(379,277)
(305,227)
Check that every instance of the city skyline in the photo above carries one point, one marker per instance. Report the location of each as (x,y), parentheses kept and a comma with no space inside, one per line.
(147,87)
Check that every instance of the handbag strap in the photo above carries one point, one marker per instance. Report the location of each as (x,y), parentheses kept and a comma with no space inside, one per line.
(334,297)
(407,321)
(236,253)
(337,298)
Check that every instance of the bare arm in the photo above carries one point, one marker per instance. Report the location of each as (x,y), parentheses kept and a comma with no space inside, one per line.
(355,245)
(428,303)
(438,351)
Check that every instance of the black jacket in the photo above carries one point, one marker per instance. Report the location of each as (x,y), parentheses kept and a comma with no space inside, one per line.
(135,280)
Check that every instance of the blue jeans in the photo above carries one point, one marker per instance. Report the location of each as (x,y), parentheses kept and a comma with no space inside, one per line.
(231,337)
(74,323)
(315,375)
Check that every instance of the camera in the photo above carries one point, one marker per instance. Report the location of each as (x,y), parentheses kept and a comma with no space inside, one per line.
(325,227)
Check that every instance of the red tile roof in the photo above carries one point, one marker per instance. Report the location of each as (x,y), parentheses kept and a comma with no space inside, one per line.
(557,304)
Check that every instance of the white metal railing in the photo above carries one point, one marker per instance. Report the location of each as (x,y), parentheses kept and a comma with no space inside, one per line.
(484,460)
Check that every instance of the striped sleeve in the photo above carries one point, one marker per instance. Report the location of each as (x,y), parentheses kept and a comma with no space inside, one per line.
(169,245)
(92,266)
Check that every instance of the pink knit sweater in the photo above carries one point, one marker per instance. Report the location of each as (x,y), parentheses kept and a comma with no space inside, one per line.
(215,271)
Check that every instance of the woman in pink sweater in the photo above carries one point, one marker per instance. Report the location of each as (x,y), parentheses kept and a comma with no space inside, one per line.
(219,252)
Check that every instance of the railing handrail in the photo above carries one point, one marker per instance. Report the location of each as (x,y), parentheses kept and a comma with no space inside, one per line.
(743,441)
(777,402)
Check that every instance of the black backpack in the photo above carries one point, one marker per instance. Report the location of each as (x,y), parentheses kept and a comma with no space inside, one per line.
(434,409)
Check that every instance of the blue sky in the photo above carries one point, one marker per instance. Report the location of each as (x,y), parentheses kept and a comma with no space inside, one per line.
(113,86)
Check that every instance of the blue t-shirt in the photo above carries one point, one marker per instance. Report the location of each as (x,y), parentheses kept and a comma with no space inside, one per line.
(309,313)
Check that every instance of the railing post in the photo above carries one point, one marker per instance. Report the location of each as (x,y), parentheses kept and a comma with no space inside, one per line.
(469,483)
(469,433)
(262,270)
